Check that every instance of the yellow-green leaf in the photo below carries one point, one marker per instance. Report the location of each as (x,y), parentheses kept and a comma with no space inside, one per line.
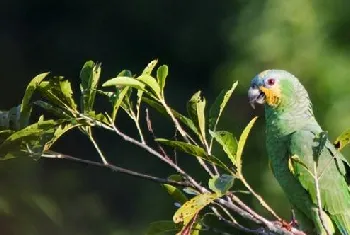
(175,193)
(90,76)
(124,81)
(195,109)
(150,82)
(150,66)
(188,210)
(26,108)
(342,140)
(218,106)
(241,144)
(228,143)
(59,92)
(162,73)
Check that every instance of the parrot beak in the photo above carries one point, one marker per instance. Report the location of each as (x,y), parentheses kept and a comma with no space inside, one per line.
(255,95)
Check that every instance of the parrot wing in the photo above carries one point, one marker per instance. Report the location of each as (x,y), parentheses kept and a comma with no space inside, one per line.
(331,168)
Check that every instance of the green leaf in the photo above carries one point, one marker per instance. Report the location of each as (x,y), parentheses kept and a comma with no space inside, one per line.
(342,140)
(186,121)
(241,144)
(90,76)
(162,228)
(218,106)
(195,109)
(118,101)
(188,210)
(175,193)
(193,150)
(228,143)
(34,139)
(221,184)
(162,73)
(150,82)
(149,68)
(124,81)
(59,91)
(26,108)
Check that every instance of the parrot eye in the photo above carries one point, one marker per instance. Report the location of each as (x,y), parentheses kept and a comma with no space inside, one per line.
(271,81)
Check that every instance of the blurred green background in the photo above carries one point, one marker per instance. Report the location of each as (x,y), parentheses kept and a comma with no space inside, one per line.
(207,45)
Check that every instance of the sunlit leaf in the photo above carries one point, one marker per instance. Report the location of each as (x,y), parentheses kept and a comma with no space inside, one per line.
(90,76)
(192,150)
(150,82)
(221,184)
(162,73)
(218,106)
(342,140)
(59,92)
(150,66)
(26,108)
(175,193)
(241,144)
(34,139)
(163,227)
(188,210)
(124,81)
(191,228)
(195,109)
(228,143)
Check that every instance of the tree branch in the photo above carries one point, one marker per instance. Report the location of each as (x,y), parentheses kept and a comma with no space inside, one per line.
(54,155)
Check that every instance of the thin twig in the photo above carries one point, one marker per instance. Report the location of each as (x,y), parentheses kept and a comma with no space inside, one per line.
(54,155)
(150,129)
(103,158)
(260,199)
(185,136)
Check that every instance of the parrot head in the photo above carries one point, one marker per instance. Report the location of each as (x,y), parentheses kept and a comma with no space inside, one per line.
(274,88)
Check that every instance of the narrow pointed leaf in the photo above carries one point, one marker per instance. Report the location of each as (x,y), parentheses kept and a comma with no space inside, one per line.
(175,193)
(228,143)
(195,109)
(150,82)
(188,210)
(218,106)
(221,184)
(124,81)
(118,101)
(26,107)
(59,92)
(162,73)
(90,76)
(241,144)
(150,66)
(342,140)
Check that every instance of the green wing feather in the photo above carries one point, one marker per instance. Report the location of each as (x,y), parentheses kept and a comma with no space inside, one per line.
(331,169)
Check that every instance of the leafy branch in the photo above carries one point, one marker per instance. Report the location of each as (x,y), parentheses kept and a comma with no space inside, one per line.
(219,200)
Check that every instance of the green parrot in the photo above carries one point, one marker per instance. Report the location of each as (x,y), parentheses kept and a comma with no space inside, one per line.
(300,155)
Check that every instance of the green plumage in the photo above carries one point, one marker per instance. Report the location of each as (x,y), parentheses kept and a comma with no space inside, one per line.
(295,152)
